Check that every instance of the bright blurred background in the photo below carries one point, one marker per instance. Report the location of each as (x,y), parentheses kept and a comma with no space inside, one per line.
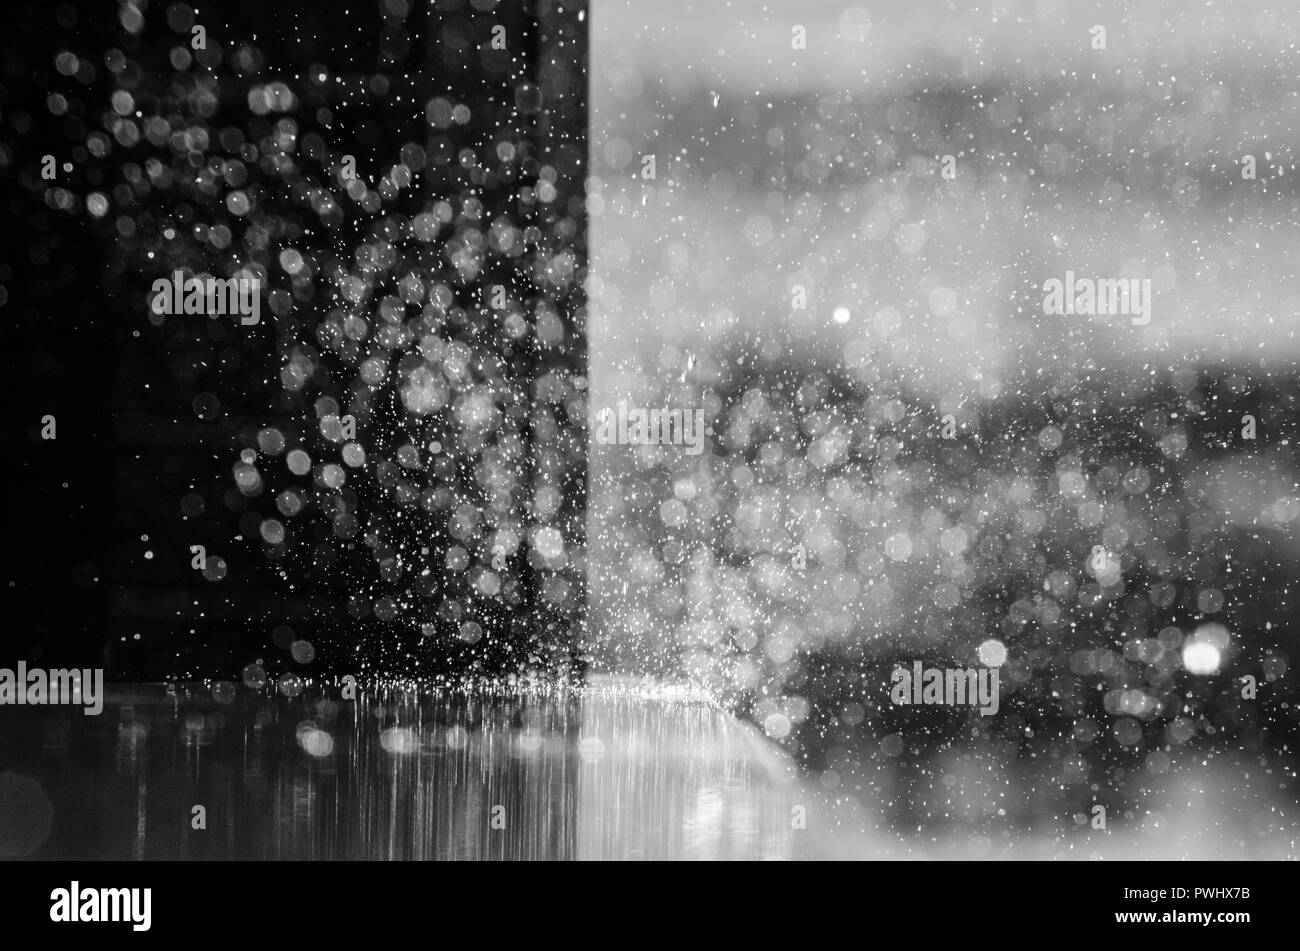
(832,532)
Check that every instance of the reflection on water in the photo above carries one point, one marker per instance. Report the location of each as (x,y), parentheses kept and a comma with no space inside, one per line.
(678,779)
(612,770)
(609,771)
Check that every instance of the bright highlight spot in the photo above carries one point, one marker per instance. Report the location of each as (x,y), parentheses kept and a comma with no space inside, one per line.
(1201,658)
(993,653)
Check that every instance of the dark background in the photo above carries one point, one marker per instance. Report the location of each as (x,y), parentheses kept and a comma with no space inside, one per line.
(148,416)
